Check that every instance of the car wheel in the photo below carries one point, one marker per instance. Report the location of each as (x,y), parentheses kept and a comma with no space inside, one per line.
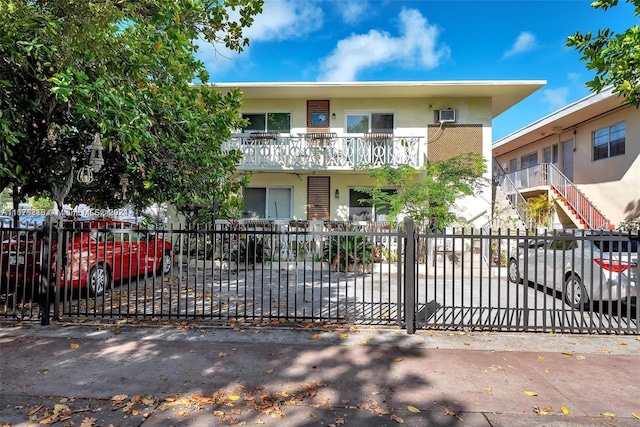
(98,280)
(166,264)
(575,293)
(514,271)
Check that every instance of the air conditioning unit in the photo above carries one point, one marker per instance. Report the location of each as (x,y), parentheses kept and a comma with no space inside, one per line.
(448,115)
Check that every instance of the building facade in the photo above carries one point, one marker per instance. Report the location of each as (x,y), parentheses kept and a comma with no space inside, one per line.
(308,146)
(591,147)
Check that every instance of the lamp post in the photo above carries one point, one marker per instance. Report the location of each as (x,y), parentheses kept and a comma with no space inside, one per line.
(96,161)
(124,183)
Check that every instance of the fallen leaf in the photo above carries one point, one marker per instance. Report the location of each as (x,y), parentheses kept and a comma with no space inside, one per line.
(580,357)
(540,357)
(609,414)
(74,345)
(344,335)
(543,411)
(61,408)
(413,409)
(567,353)
(605,351)
(268,371)
(314,336)
(233,397)
(397,419)
(222,354)
(449,412)
(88,422)
(398,359)
(119,398)
(622,343)
(530,393)
(565,410)
(487,389)
(636,415)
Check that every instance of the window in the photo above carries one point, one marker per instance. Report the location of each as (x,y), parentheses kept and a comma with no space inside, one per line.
(268,122)
(513,165)
(529,160)
(361,209)
(609,141)
(369,122)
(266,202)
(551,154)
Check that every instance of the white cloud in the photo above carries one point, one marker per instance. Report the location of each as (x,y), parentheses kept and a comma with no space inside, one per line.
(415,46)
(556,98)
(285,19)
(574,77)
(525,42)
(279,20)
(353,11)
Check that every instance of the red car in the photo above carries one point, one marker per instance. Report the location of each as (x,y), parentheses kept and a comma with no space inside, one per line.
(96,253)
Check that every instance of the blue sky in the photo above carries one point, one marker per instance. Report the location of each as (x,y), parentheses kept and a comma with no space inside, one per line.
(394,40)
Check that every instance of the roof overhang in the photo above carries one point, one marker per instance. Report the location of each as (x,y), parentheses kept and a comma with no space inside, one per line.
(565,119)
(503,94)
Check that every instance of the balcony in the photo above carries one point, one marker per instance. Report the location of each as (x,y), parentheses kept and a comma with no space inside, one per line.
(324,151)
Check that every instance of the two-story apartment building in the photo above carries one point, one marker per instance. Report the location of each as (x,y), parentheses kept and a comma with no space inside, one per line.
(309,145)
(585,156)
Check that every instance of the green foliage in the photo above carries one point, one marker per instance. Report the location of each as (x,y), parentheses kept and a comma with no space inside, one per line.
(345,252)
(427,195)
(122,70)
(630,224)
(539,211)
(612,56)
(42,204)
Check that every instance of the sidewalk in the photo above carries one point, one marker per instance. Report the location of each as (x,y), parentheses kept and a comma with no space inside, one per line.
(132,375)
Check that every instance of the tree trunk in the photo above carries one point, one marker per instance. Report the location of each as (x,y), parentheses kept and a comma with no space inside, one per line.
(62,191)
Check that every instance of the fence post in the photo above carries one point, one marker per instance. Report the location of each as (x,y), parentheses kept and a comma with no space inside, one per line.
(410,276)
(45,270)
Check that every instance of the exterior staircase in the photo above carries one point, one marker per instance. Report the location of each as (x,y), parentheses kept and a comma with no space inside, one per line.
(567,210)
(574,206)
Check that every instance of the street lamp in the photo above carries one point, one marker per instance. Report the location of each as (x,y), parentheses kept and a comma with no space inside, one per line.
(96,161)
(124,183)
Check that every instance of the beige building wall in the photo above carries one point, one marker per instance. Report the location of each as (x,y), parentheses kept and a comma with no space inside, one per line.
(412,116)
(612,184)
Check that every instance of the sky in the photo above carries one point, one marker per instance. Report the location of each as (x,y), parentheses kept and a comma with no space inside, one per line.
(423,40)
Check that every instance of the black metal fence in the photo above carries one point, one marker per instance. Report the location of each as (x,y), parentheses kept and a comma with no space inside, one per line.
(337,272)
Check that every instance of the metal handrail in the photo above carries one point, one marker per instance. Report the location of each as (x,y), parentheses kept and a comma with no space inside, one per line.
(510,189)
(547,174)
(583,207)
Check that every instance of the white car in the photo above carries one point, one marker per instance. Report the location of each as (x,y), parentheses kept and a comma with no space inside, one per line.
(585,265)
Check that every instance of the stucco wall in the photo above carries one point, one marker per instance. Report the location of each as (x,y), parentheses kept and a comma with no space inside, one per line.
(412,115)
(611,183)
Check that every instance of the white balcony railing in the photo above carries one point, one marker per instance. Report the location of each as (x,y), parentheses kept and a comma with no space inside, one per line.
(271,151)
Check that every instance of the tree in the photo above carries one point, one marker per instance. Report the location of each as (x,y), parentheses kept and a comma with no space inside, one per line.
(428,195)
(613,56)
(122,70)
(41,204)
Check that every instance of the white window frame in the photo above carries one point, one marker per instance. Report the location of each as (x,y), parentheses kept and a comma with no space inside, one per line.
(372,210)
(527,156)
(266,128)
(368,114)
(267,211)
(605,136)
